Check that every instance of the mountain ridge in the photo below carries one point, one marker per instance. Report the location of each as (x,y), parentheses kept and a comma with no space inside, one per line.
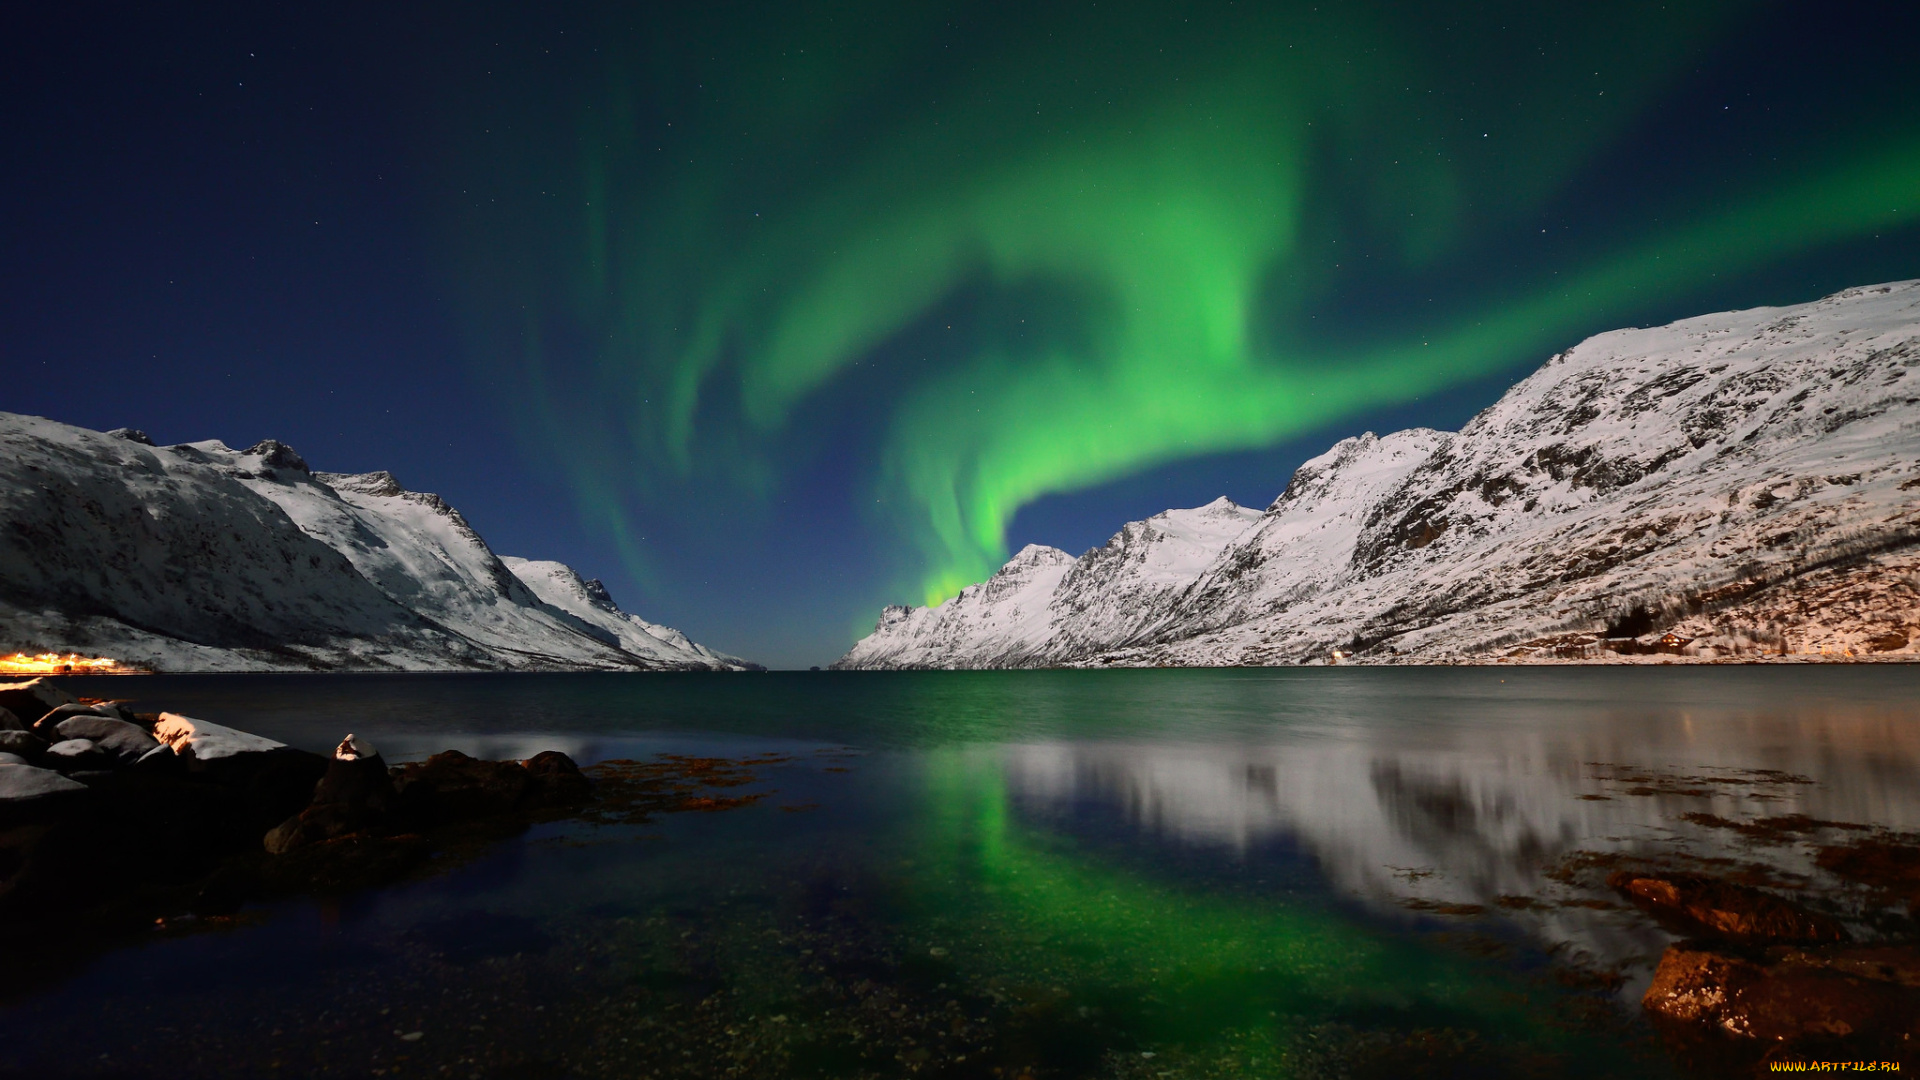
(204,558)
(1746,481)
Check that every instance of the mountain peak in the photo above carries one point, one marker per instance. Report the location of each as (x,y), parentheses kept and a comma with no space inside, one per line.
(1742,477)
(222,560)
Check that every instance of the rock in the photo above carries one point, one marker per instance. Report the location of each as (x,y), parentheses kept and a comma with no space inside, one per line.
(58,715)
(199,740)
(24,783)
(1725,910)
(25,743)
(450,786)
(1884,963)
(554,780)
(354,861)
(361,783)
(74,755)
(125,743)
(1695,985)
(10,722)
(11,759)
(160,759)
(30,700)
(355,794)
(314,825)
(353,748)
(1882,863)
(1808,998)
(1797,1003)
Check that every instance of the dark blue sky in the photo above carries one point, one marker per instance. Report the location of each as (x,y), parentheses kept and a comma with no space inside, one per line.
(324,224)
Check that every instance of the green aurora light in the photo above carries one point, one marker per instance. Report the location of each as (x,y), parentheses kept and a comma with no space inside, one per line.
(745,214)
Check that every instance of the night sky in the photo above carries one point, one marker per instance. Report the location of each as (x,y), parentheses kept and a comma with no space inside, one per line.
(770,314)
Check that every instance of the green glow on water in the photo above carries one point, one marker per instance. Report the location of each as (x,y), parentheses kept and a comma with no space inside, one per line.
(1252,975)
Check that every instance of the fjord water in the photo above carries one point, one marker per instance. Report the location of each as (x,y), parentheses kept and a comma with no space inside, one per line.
(1116,873)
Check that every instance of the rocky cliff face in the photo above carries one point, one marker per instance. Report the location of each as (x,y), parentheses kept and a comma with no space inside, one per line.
(200,557)
(1748,481)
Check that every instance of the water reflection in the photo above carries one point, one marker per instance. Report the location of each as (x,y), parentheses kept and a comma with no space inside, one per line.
(1114,874)
(1483,814)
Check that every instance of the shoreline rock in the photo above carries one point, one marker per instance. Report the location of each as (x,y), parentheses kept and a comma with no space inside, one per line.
(132,816)
(1735,912)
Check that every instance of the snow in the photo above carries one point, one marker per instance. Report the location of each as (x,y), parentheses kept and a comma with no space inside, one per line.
(201,557)
(1745,478)
(560,587)
(203,741)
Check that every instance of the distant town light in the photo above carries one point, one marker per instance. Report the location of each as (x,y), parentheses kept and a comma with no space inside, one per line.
(59,664)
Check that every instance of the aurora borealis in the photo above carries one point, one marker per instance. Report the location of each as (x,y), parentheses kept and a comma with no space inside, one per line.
(812,308)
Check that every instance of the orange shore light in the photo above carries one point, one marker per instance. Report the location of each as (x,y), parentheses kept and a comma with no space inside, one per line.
(59,664)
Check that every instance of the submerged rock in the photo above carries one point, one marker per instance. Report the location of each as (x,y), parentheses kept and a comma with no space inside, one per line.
(1696,985)
(1885,963)
(450,786)
(1722,909)
(1883,863)
(1807,995)
(554,780)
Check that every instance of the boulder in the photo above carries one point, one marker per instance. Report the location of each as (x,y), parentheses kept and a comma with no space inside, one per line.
(354,795)
(12,759)
(554,780)
(24,783)
(32,699)
(25,743)
(46,725)
(361,783)
(160,759)
(198,740)
(10,722)
(314,825)
(75,755)
(125,743)
(1721,909)
(1695,985)
(1846,998)
(450,786)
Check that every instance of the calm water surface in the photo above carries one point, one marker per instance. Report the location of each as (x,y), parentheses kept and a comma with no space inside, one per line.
(1045,874)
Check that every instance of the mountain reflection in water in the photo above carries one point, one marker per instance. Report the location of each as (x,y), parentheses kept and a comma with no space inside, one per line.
(1469,814)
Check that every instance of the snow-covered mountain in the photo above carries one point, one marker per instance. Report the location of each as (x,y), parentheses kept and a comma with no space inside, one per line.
(1748,481)
(200,557)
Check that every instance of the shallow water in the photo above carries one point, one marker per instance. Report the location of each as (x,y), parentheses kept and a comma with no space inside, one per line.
(1116,874)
